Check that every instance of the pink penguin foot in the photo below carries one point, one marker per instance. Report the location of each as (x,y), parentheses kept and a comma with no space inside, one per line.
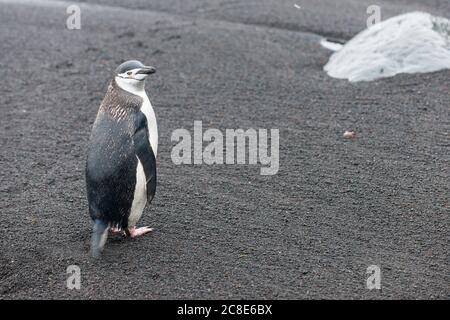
(115,230)
(136,232)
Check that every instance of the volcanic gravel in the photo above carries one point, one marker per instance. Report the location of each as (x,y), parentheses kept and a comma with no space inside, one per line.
(335,207)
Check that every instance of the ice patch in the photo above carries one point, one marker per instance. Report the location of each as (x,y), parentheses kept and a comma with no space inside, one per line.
(415,42)
(330,45)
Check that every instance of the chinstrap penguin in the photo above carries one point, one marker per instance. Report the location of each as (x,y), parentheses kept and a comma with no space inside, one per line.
(121,160)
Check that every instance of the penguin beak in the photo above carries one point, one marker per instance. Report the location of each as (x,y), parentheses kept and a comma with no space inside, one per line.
(146,70)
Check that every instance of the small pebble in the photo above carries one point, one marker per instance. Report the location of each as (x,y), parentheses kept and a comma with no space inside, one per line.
(349,134)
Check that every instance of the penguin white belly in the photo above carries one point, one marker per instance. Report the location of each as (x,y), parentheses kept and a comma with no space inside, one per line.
(149,113)
(140,196)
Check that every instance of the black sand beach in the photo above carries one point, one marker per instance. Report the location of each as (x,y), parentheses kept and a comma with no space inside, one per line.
(335,206)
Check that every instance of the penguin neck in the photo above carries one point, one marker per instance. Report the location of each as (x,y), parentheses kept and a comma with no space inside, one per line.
(132,86)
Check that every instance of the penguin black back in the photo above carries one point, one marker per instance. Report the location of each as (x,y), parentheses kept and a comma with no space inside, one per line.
(111,158)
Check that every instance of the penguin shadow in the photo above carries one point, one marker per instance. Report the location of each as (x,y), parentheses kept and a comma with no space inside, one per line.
(115,238)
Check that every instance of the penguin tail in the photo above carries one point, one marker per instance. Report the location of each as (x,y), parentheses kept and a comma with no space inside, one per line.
(99,235)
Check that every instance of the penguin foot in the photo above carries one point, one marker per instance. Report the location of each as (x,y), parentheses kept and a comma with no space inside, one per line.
(115,230)
(136,232)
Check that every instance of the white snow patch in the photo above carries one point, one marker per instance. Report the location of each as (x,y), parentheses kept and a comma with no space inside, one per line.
(330,45)
(414,42)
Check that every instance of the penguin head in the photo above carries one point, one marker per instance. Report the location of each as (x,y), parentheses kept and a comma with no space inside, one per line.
(133,73)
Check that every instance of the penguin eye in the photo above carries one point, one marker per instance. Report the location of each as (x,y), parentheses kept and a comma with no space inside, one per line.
(129,73)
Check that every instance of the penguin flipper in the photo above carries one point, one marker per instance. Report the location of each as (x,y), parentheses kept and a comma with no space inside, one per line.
(145,153)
